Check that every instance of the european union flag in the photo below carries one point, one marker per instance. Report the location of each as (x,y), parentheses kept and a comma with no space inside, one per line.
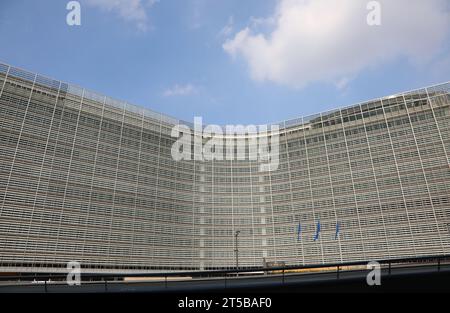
(317,231)
(338,226)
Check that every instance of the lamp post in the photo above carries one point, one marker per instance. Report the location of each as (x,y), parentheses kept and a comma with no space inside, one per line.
(236,248)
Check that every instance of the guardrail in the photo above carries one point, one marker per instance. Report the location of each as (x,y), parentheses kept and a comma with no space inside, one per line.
(337,268)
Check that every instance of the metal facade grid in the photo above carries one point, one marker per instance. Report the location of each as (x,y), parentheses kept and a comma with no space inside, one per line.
(87,178)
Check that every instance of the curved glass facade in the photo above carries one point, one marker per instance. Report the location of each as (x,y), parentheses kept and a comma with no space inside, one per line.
(91,179)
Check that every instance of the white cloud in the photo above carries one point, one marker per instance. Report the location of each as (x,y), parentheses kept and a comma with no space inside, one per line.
(342,83)
(181,90)
(329,40)
(227,29)
(134,11)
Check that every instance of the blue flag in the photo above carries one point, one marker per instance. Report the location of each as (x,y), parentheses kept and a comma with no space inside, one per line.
(317,231)
(299,231)
(338,226)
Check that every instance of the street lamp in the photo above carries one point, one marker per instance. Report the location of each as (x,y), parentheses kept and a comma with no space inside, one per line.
(236,247)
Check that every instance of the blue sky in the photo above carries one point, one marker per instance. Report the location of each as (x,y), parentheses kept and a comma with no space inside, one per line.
(232,61)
